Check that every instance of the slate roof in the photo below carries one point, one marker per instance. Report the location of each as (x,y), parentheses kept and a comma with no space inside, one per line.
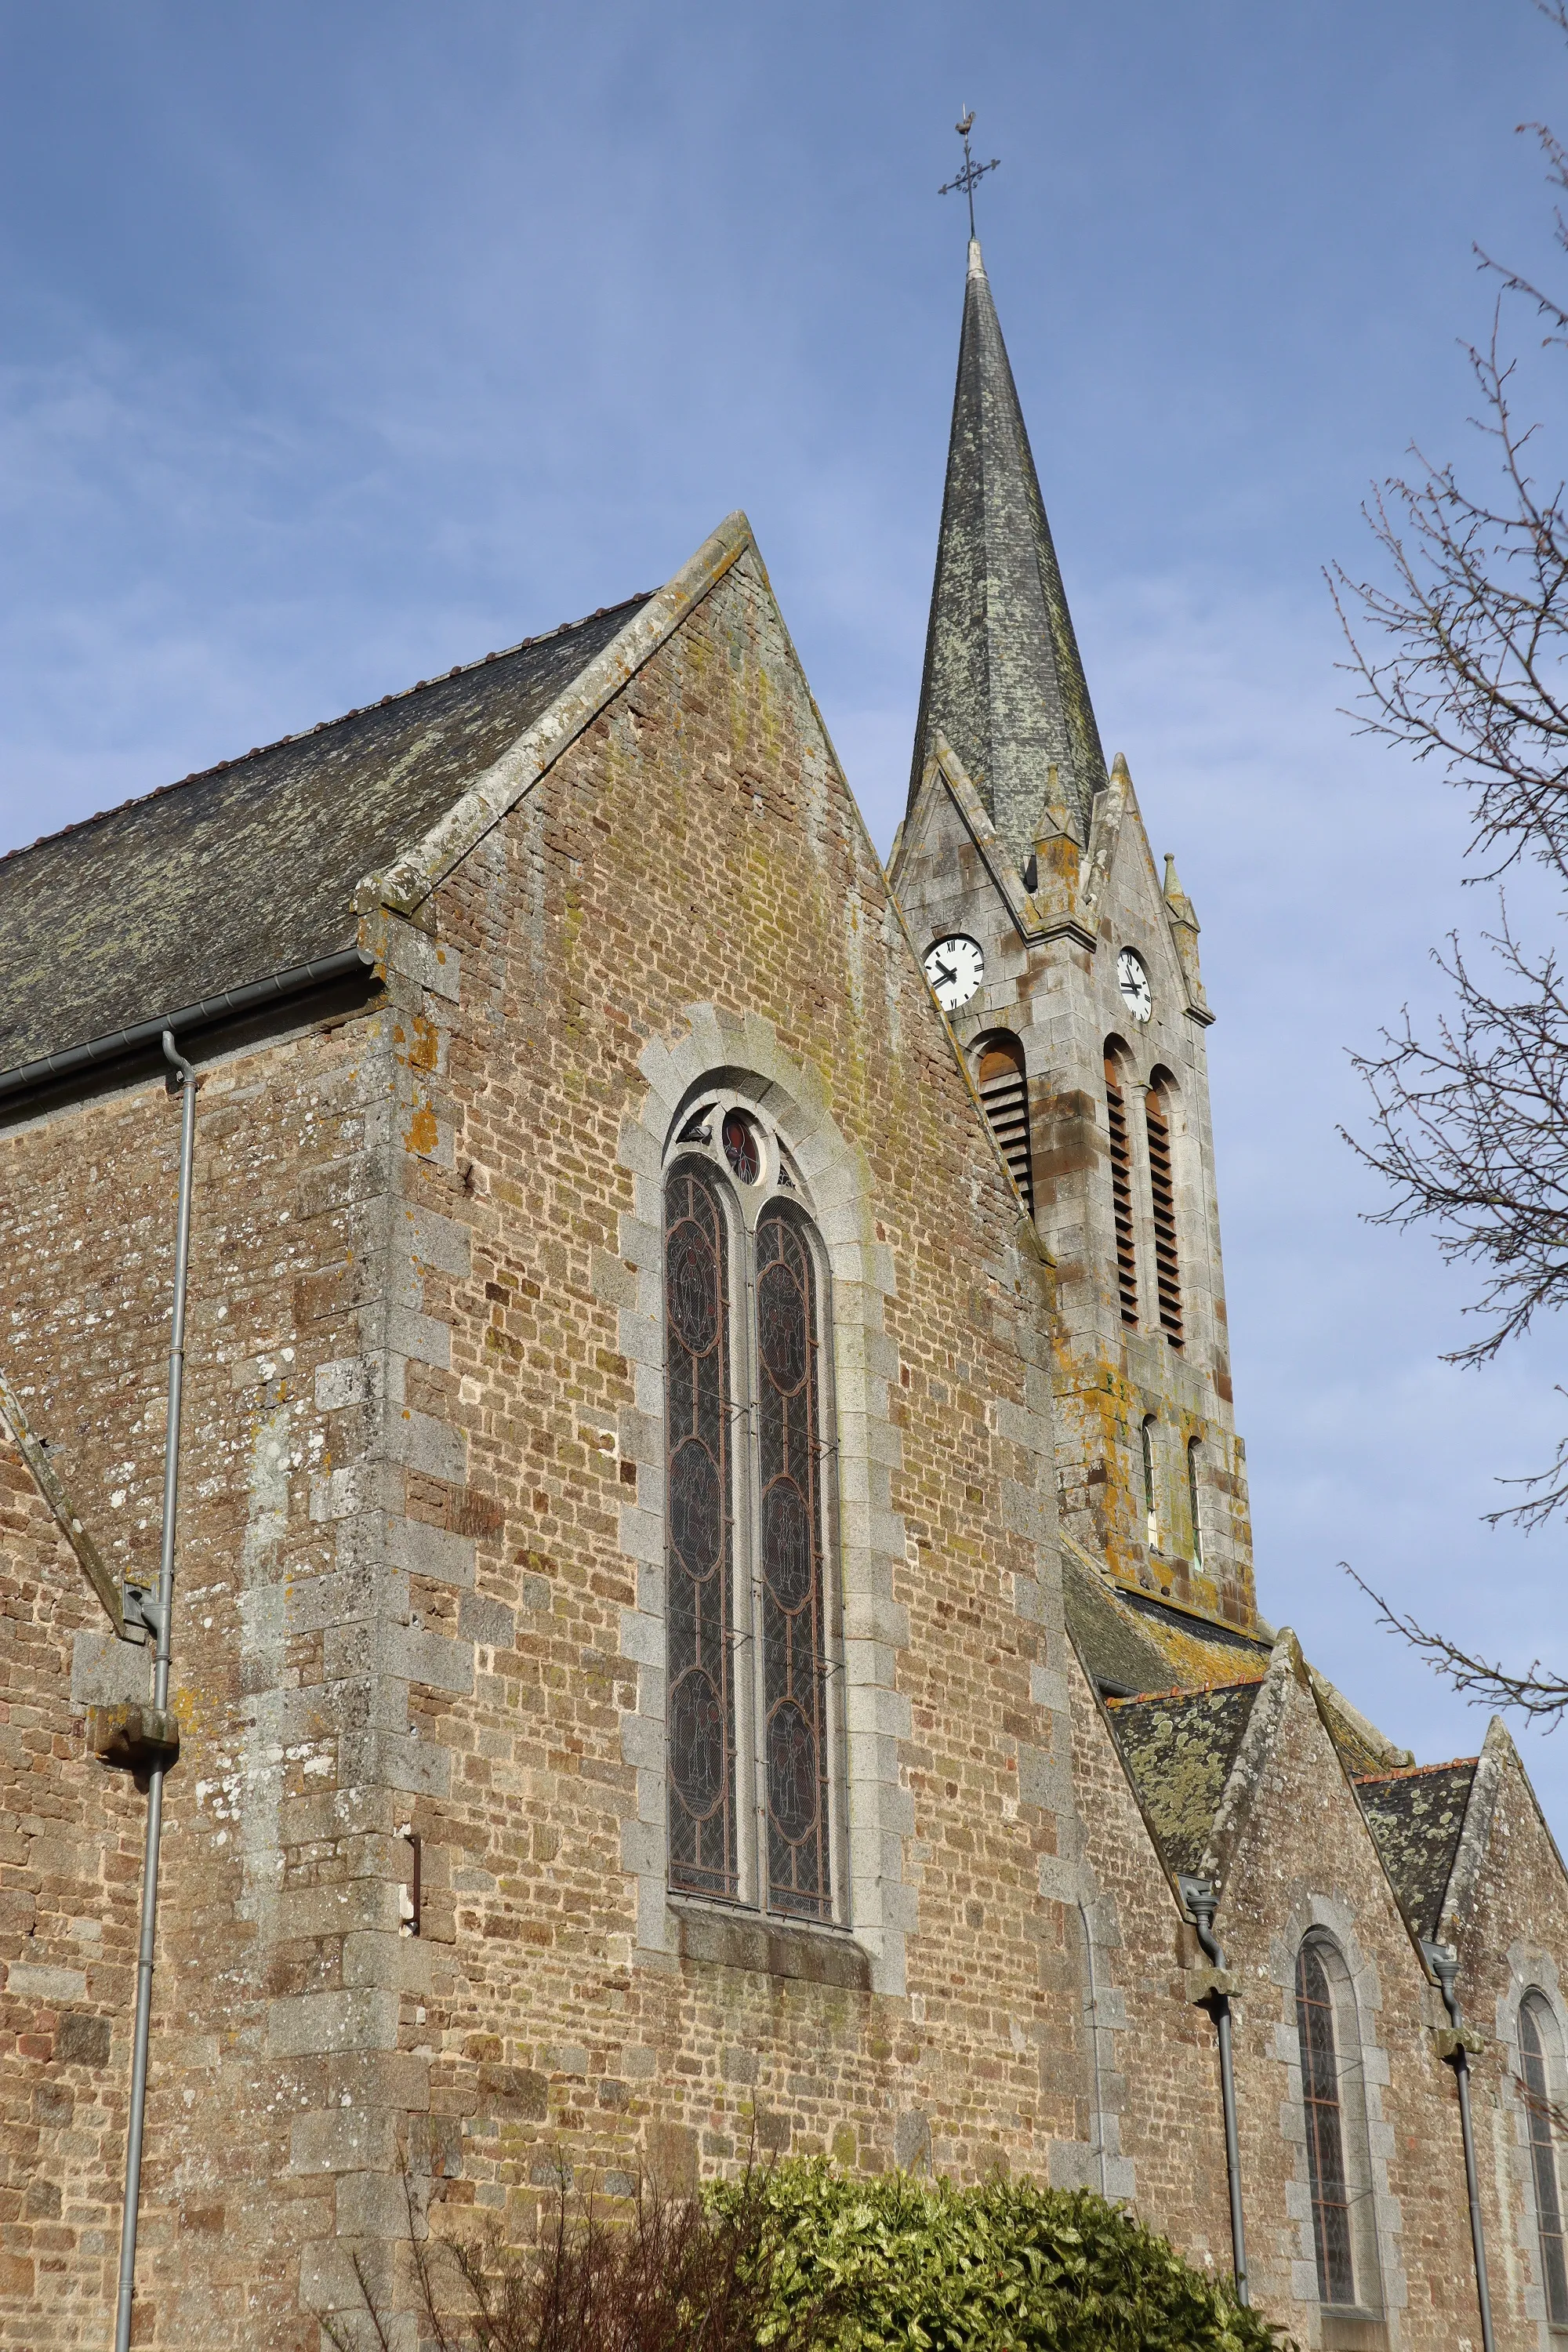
(1179,1749)
(1416,1818)
(251,867)
(1131,1642)
(1003,679)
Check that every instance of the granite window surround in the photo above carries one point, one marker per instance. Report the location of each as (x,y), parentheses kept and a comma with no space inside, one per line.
(1532,1975)
(740,1057)
(1363,2072)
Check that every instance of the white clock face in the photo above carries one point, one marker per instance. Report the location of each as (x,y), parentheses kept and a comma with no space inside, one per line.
(955,968)
(1134,982)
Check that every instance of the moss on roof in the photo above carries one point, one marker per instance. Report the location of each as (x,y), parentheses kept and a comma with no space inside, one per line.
(251,867)
(1416,1818)
(1179,1749)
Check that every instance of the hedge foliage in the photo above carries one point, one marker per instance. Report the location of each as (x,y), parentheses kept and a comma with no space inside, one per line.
(896,2264)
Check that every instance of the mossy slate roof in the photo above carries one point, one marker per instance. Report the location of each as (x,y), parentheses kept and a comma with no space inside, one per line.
(1179,1751)
(1415,1818)
(251,867)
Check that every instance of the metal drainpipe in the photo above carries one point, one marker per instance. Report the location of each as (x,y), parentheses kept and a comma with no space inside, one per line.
(1094,2043)
(1444,1963)
(1202,1902)
(161,1613)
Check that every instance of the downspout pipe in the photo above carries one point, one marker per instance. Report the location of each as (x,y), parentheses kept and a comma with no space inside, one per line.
(160,1614)
(1202,1902)
(1444,1963)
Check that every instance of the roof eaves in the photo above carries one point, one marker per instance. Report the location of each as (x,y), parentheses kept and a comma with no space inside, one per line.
(407,884)
(322,726)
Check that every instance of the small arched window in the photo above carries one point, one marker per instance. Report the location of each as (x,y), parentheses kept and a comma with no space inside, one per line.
(1540,2057)
(1121,1187)
(1162,1194)
(1194,1501)
(1332,2237)
(1151,1507)
(1003,1090)
(750,1717)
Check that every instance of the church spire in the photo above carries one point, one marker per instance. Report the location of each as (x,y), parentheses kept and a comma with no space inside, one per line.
(1003,682)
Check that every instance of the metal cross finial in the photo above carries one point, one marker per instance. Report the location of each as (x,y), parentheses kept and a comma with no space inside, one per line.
(971,170)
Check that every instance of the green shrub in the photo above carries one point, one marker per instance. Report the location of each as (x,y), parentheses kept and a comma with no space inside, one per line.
(892,2264)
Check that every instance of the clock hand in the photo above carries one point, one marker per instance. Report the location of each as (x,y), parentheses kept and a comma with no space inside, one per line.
(946,971)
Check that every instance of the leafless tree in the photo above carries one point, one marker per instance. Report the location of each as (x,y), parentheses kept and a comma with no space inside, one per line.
(1460,644)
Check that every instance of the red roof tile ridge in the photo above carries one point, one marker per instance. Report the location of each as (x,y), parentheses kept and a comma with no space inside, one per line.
(1186,1690)
(258,751)
(1410,1771)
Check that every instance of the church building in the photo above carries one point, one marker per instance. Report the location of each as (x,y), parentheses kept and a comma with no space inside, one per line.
(711,1606)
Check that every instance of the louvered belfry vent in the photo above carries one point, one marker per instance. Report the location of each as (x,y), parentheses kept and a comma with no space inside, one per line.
(1162,1187)
(1122,1192)
(1005,1093)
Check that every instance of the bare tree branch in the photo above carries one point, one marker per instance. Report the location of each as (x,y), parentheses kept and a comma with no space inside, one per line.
(1541,1697)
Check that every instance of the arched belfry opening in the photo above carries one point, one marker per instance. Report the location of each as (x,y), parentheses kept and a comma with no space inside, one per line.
(1003,1089)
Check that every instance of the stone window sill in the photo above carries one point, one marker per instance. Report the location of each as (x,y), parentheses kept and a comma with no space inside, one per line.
(776,1947)
(1353,2331)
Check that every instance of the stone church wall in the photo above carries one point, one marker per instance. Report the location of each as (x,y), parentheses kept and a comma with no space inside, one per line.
(421,1557)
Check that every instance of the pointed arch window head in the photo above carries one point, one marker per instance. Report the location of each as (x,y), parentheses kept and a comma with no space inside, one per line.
(1540,2057)
(1003,1086)
(1162,1199)
(1121,1187)
(752,1719)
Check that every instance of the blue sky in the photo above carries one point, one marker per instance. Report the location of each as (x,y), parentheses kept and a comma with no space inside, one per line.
(344,343)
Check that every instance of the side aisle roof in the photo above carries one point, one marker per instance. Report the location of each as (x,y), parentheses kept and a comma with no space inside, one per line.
(251,867)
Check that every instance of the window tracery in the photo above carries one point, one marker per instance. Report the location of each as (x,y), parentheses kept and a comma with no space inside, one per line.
(750,1722)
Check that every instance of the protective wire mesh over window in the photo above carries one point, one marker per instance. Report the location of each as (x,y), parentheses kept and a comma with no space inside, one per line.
(1121,1191)
(1332,2233)
(700,1535)
(1537,2037)
(1162,1191)
(794,1646)
(751,1626)
(1004,1093)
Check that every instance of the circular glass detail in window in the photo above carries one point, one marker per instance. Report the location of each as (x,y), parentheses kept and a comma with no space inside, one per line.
(741,1148)
(792,1772)
(786,1545)
(782,1326)
(696,1515)
(691,1285)
(697,1743)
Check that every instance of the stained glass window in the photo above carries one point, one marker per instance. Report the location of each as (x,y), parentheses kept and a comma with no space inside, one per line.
(1325,2132)
(1532,2050)
(794,1634)
(698,1538)
(749,1636)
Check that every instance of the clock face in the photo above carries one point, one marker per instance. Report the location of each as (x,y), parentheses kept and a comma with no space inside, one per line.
(1134,982)
(955,968)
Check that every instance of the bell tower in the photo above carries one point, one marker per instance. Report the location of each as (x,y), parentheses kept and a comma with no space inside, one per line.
(1067,966)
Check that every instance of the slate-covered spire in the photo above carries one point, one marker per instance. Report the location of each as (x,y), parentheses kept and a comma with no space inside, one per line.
(1003,679)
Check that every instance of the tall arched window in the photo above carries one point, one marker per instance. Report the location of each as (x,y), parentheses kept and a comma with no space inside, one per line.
(752,1625)
(1003,1090)
(698,1487)
(1150,1507)
(1194,1501)
(1540,2058)
(1162,1194)
(1121,1187)
(1333,2236)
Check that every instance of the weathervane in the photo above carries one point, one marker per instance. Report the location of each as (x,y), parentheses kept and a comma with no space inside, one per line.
(971,170)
